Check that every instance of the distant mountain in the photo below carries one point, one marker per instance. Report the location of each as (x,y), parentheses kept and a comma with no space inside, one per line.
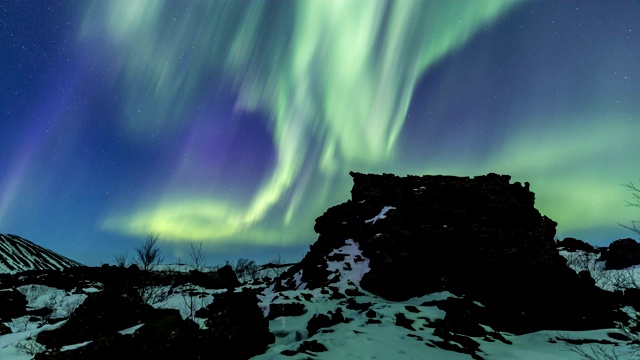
(19,254)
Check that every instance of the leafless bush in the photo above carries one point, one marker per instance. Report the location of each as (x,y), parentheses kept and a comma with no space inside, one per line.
(599,351)
(21,324)
(275,267)
(122,259)
(246,268)
(635,201)
(29,346)
(197,257)
(610,280)
(192,301)
(148,255)
(152,295)
(595,352)
(607,279)
(33,292)
(70,306)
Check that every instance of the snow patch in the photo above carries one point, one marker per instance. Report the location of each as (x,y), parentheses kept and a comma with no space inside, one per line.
(74,346)
(352,268)
(381,215)
(298,279)
(130,330)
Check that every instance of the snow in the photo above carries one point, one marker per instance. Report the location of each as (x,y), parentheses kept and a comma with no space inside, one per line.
(359,340)
(356,339)
(352,268)
(381,215)
(297,277)
(75,346)
(130,330)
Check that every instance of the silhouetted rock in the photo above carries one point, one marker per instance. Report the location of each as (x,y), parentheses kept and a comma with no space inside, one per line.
(237,326)
(286,309)
(13,304)
(320,321)
(102,314)
(115,346)
(169,336)
(621,254)
(166,335)
(573,245)
(480,237)
(4,329)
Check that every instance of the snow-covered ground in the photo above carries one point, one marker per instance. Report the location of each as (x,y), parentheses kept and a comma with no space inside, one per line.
(359,337)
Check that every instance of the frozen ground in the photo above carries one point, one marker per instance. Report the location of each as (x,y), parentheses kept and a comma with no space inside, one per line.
(356,339)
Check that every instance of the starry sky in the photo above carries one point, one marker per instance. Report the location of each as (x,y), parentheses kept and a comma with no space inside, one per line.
(235,123)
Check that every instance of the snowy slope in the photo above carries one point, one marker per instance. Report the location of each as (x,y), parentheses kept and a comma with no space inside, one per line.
(371,329)
(18,254)
(377,334)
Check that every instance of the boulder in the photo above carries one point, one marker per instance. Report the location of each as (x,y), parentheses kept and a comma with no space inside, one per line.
(621,254)
(101,314)
(4,329)
(321,321)
(236,326)
(572,245)
(13,304)
(286,309)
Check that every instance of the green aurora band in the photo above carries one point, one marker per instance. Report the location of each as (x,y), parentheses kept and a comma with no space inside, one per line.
(335,80)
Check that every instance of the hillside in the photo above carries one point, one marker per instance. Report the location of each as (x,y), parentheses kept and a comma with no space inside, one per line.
(431,267)
(18,254)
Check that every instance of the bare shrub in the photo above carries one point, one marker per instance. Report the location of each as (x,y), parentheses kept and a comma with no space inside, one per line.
(33,292)
(152,295)
(29,346)
(246,268)
(122,259)
(197,257)
(601,352)
(148,255)
(635,201)
(70,306)
(275,267)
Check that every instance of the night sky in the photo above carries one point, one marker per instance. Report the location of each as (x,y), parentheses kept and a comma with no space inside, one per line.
(235,123)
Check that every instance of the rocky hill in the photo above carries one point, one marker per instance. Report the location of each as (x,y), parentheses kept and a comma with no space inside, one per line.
(480,238)
(18,254)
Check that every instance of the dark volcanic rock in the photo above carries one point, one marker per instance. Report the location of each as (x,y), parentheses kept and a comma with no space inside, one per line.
(100,315)
(167,336)
(237,326)
(286,309)
(13,304)
(621,254)
(479,237)
(573,245)
(320,321)
(4,329)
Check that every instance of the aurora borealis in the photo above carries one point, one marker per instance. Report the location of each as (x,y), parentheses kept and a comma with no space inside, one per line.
(235,123)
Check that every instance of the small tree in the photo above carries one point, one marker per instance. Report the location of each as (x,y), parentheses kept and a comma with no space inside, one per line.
(635,201)
(245,267)
(148,255)
(121,259)
(197,257)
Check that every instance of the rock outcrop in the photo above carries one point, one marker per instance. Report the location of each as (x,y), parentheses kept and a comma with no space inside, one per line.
(477,237)
(621,254)
(572,245)
(236,327)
